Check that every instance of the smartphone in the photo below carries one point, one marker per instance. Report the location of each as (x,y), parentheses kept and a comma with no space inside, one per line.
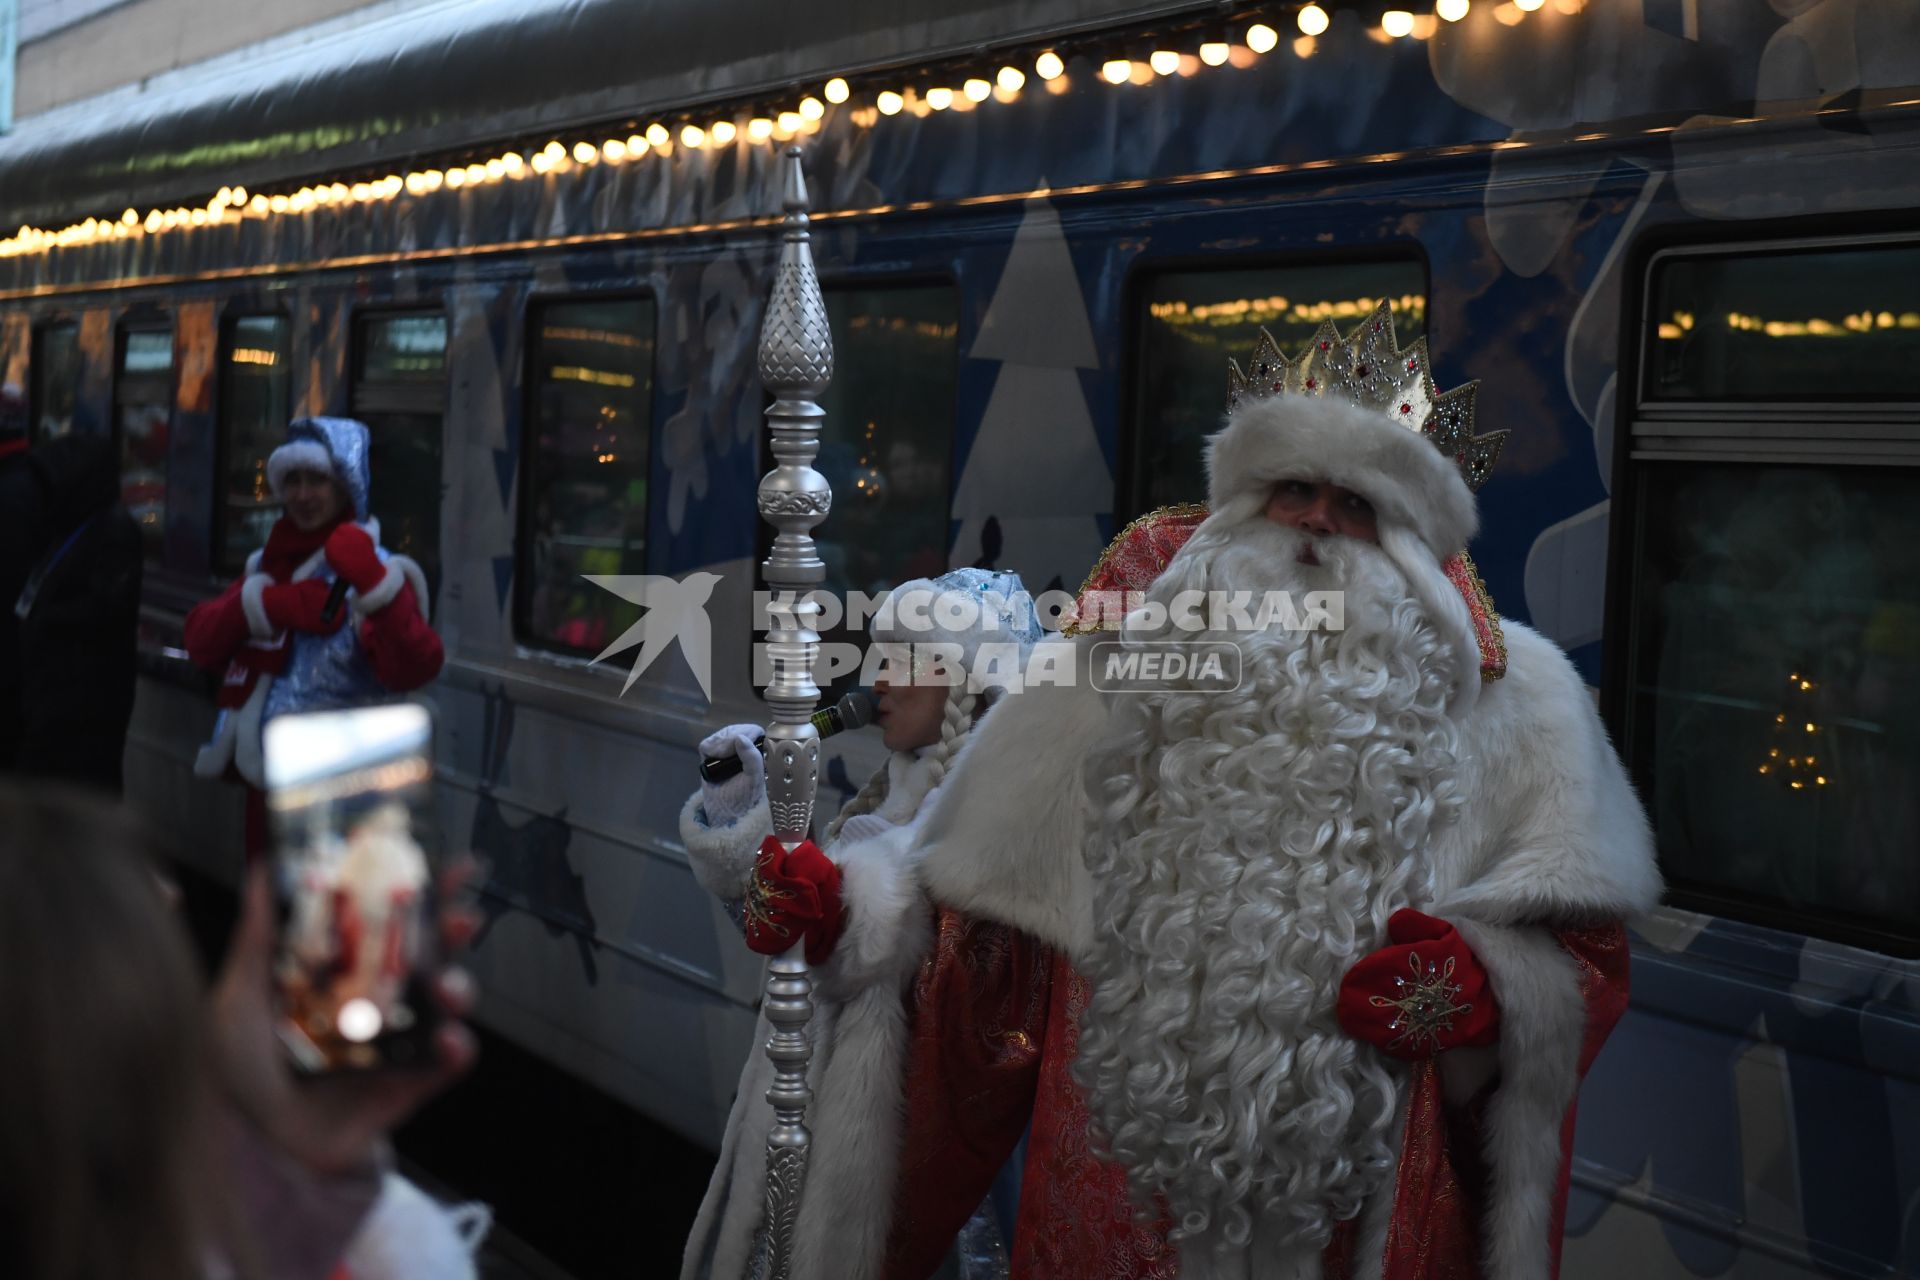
(350,793)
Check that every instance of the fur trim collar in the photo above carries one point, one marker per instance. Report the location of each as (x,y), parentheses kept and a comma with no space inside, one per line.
(1319,438)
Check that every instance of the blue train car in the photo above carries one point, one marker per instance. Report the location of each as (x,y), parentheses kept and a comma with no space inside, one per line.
(1674,239)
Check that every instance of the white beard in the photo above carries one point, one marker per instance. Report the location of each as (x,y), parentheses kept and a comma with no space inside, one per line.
(1246,849)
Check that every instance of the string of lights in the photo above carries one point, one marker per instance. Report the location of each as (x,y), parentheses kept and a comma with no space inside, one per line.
(1113,58)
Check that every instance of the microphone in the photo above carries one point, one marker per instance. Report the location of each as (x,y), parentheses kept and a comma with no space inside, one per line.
(851,712)
(335,598)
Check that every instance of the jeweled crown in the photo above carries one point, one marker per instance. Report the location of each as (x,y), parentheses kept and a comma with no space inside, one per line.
(1368,368)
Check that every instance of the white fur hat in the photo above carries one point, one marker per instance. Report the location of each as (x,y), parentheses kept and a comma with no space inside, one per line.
(1321,438)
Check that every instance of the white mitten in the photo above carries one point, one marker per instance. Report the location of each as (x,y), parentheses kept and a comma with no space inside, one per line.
(411,1236)
(727,802)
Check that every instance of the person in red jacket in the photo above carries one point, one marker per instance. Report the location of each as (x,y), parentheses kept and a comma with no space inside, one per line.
(324,617)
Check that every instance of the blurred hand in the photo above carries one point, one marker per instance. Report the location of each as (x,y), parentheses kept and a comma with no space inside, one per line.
(351,553)
(332,1124)
(727,802)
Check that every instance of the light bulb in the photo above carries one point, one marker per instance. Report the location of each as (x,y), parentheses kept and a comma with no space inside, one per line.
(1011,79)
(1262,38)
(1164,61)
(693,135)
(837,90)
(759,129)
(614,150)
(657,135)
(1451,10)
(789,122)
(1313,21)
(1528,6)
(722,133)
(1397,23)
(1049,65)
(1116,71)
(977,90)
(889,102)
(1215,52)
(812,108)
(940,98)
(130,217)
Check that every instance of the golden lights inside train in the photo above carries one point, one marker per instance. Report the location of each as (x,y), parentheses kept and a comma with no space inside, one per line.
(1116,59)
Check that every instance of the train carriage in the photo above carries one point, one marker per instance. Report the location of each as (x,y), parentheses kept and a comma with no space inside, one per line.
(1674,240)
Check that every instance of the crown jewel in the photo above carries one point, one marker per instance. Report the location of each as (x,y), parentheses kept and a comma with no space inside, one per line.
(1368,368)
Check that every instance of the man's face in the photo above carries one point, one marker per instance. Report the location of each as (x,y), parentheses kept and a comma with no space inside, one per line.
(313,498)
(1321,510)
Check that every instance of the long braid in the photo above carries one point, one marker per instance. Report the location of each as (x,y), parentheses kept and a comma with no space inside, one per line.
(953,727)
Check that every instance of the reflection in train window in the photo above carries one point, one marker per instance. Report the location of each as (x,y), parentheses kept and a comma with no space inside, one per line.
(1774,699)
(584,488)
(143,421)
(56,379)
(253,422)
(399,391)
(1832,324)
(886,445)
(1192,322)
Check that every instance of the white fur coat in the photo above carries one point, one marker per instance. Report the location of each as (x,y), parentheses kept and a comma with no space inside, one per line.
(1552,835)
(859,1034)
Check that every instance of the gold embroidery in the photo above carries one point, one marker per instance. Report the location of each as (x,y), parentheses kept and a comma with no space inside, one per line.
(762,901)
(1425,1006)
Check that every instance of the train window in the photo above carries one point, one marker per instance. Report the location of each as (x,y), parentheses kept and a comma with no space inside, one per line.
(143,420)
(56,379)
(399,391)
(253,421)
(1829,324)
(1191,322)
(1767,660)
(886,445)
(584,490)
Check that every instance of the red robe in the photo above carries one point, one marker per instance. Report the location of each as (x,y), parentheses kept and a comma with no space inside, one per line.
(995,1031)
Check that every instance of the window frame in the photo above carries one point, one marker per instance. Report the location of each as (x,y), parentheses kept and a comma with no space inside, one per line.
(222,454)
(146,319)
(519,622)
(395,395)
(1129,475)
(37,372)
(1649,432)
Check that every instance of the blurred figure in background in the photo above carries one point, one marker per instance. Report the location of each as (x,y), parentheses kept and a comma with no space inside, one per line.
(70,565)
(154,1133)
(283,639)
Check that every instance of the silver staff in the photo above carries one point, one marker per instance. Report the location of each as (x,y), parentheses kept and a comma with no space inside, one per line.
(796,362)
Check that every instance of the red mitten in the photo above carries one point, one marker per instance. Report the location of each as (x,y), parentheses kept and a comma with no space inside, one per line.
(1423,994)
(298,606)
(794,894)
(351,553)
